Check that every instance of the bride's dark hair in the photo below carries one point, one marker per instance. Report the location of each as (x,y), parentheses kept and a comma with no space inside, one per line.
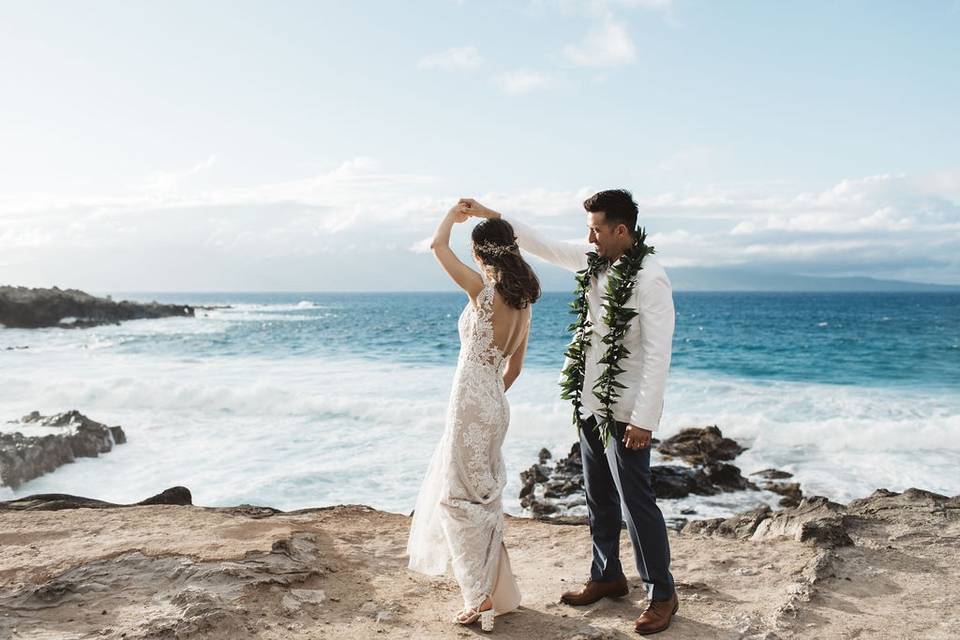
(496,246)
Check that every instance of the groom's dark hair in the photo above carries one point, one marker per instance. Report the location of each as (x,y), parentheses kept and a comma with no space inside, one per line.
(617,206)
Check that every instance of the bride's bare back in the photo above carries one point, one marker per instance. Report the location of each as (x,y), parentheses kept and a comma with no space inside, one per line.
(510,325)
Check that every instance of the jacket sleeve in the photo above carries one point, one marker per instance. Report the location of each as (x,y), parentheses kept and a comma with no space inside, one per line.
(657,318)
(571,256)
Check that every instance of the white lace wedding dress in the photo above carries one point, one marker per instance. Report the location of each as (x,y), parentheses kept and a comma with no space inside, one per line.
(458,520)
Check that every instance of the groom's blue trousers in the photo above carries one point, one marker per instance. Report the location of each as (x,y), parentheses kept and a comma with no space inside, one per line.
(618,486)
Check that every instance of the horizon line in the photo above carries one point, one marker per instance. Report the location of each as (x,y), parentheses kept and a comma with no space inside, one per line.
(946,289)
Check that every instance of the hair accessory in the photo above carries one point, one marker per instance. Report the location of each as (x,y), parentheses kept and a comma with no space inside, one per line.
(492,249)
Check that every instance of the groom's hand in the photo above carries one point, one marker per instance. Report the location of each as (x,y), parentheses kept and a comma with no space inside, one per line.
(636,437)
(474,208)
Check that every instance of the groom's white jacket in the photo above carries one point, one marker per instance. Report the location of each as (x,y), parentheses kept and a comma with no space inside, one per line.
(649,338)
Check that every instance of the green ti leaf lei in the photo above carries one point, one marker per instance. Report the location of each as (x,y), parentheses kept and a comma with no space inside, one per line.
(620,283)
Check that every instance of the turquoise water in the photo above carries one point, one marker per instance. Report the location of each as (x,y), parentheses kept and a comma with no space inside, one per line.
(837,338)
(307,399)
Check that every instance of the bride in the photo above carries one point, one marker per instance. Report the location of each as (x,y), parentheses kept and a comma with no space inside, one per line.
(458,521)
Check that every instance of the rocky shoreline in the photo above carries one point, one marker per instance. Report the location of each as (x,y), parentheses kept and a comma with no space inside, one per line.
(36,444)
(884,566)
(26,308)
(555,490)
(73,567)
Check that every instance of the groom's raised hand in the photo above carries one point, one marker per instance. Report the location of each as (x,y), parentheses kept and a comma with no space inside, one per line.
(476,209)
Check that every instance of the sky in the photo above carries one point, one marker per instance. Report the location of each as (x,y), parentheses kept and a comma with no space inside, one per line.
(310,146)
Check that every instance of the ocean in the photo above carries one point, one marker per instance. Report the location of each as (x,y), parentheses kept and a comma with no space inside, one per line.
(312,399)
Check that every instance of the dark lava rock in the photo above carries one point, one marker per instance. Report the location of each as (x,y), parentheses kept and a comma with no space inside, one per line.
(24,456)
(573,463)
(789,490)
(774,481)
(59,501)
(772,474)
(536,474)
(173,495)
(25,308)
(553,490)
(563,488)
(700,446)
(674,481)
(727,477)
(550,490)
(540,509)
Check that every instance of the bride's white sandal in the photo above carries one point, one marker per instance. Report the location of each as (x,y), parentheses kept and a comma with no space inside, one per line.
(466,618)
(469,616)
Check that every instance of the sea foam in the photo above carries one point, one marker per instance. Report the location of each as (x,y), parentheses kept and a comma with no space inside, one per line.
(293,414)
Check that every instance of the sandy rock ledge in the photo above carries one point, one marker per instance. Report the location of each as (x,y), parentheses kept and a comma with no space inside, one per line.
(888,569)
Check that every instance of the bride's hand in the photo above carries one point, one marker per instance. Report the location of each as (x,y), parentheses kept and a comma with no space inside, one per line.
(474,208)
(458,213)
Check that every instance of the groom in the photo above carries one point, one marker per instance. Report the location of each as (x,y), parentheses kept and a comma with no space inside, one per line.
(616,471)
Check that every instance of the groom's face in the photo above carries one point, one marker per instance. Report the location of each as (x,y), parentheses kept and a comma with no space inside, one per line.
(603,235)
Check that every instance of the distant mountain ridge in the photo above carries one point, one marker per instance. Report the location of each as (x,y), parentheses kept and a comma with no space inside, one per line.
(718,279)
(705,279)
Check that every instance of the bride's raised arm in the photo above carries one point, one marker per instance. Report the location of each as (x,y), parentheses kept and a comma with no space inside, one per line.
(465,277)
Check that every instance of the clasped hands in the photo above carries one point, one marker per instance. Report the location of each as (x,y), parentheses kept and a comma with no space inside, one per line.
(467,207)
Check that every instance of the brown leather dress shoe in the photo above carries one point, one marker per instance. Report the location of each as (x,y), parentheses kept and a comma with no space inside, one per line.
(593,591)
(657,616)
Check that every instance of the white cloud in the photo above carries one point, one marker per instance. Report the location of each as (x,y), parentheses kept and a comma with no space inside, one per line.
(25,238)
(259,217)
(891,226)
(882,203)
(884,226)
(455,59)
(605,46)
(522,81)
(421,246)
(542,204)
(161,181)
